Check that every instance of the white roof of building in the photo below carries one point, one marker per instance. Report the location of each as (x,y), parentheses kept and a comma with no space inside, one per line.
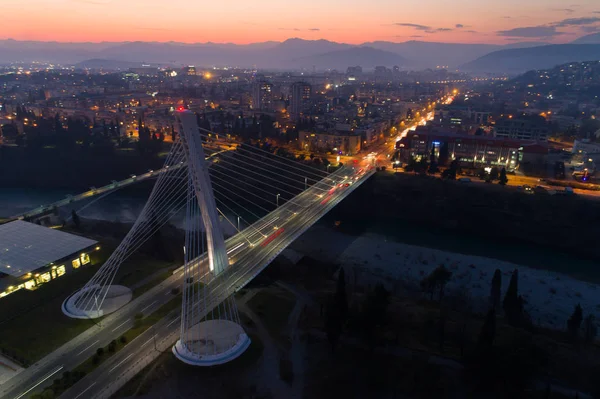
(25,247)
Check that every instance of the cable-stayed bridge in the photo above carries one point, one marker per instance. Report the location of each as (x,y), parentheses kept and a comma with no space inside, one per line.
(276,198)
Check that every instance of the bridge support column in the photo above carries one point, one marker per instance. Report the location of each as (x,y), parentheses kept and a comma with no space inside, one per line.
(211,333)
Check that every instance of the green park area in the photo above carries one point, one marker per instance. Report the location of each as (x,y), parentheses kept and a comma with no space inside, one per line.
(32,323)
(141,324)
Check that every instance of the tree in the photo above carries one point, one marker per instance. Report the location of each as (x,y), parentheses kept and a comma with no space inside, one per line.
(75,218)
(488,331)
(436,280)
(589,329)
(123,339)
(503,179)
(512,304)
(432,162)
(100,351)
(494,174)
(112,347)
(496,289)
(374,312)
(450,173)
(333,323)
(341,300)
(443,157)
(574,322)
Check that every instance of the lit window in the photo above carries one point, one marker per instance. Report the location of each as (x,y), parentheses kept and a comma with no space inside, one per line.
(85,259)
(76,263)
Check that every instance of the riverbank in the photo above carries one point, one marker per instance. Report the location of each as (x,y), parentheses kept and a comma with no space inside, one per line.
(550,296)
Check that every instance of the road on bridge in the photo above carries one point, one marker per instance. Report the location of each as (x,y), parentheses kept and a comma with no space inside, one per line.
(249,257)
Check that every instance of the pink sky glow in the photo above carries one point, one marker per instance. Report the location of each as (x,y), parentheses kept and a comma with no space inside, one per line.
(349,21)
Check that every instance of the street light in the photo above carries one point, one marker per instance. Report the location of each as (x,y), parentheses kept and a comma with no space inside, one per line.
(305,183)
(238,223)
(278,200)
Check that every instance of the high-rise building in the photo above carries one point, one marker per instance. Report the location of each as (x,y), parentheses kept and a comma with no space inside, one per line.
(300,95)
(262,95)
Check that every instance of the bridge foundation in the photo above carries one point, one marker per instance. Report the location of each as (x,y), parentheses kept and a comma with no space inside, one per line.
(115,297)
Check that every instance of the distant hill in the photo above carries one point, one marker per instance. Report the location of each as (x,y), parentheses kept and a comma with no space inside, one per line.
(524,59)
(367,57)
(112,65)
(431,54)
(593,38)
(290,54)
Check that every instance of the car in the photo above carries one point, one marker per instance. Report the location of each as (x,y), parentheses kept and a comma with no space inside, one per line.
(569,190)
(528,189)
(347,185)
(464,180)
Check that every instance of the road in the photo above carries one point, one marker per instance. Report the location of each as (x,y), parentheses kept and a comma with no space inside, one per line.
(293,219)
(294,216)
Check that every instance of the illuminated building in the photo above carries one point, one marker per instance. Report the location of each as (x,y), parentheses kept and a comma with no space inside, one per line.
(262,95)
(31,255)
(300,95)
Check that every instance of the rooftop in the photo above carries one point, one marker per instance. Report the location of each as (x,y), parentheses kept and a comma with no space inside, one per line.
(25,247)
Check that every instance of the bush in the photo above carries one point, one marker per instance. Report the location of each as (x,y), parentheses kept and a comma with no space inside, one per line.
(100,352)
(123,339)
(112,347)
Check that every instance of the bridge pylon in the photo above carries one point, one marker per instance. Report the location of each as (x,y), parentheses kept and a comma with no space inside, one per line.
(102,295)
(210,333)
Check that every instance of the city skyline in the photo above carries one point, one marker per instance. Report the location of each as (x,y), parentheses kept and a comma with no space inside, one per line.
(464,21)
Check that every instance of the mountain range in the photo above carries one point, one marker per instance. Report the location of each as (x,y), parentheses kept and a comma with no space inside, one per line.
(298,53)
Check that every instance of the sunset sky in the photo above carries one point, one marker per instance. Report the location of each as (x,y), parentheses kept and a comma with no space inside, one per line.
(349,21)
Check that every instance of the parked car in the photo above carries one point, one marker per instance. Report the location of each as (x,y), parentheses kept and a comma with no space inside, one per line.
(464,180)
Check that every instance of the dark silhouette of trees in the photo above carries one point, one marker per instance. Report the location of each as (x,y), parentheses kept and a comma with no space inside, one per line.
(333,323)
(76,220)
(341,300)
(495,291)
(513,303)
(494,173)
(374,312)
(443,156)
(433,166)
(436,282)
(450,172)
(574,322)
(488,331)
(112,347)
(502,180)
(590,329)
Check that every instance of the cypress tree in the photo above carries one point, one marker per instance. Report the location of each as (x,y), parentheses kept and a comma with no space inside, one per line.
(496,289)
(512,302)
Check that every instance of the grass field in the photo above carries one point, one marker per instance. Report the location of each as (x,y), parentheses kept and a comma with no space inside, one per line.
(167,367)
(32,323)
(273,306)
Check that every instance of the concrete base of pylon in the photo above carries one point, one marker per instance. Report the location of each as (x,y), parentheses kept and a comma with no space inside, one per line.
(212,342)
(82,304)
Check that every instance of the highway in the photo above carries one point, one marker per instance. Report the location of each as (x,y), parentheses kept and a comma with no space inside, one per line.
(295,217)
(291,220)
